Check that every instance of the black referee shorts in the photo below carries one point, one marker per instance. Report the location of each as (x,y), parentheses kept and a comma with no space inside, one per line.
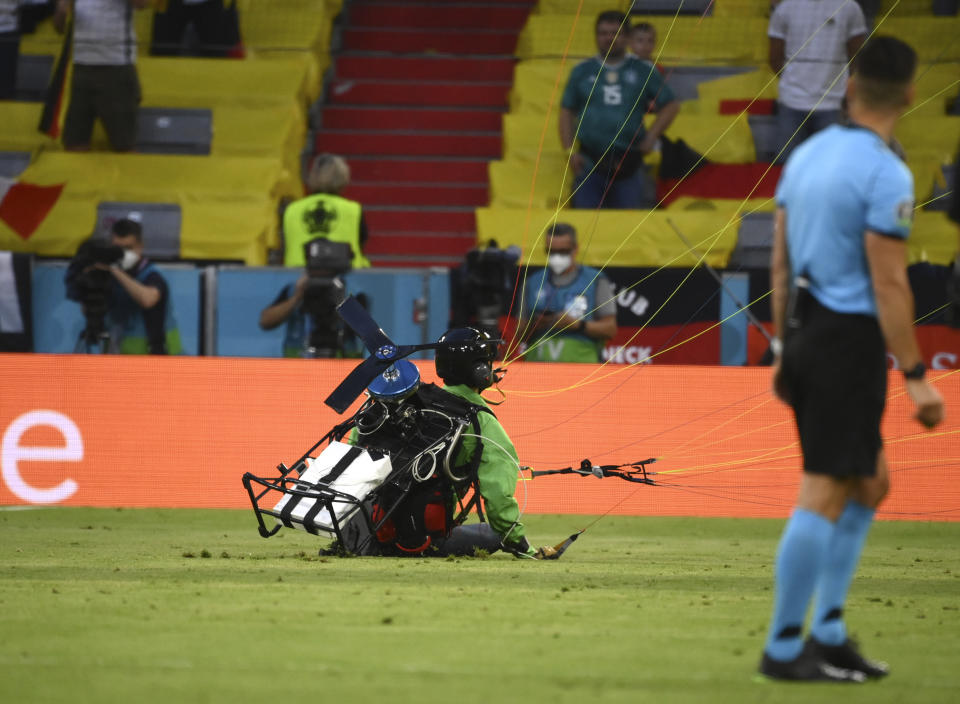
(835,368)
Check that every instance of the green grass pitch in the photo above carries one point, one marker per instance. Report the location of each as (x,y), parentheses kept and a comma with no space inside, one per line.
(102,605)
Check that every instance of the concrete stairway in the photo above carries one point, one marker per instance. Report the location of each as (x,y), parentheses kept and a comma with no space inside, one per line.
(415,107)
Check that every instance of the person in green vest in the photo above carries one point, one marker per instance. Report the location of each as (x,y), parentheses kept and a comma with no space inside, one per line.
(324,213)
(569,310)
(138,315)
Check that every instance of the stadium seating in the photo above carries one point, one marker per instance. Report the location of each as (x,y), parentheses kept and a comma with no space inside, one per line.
(643,238)
(681,41)
(12,163)
(728,118)
(247,116)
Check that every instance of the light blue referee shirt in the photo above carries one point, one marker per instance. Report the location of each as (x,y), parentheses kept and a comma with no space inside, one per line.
(837,184)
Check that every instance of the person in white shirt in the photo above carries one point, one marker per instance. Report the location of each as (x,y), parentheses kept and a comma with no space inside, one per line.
(105,84)
(811,42)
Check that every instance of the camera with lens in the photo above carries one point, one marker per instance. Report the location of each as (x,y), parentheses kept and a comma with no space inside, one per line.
(90,285)
(325,262)
(482,287)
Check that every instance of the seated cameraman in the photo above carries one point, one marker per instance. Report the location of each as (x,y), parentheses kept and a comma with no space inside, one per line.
(125,298)
(309,306)
(569,310)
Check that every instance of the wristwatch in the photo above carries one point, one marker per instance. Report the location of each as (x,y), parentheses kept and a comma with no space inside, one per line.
(916,372)
(582,327)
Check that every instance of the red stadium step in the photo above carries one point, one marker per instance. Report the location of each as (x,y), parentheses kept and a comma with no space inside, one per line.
(407,261)
(434,119)
(448,220)
(529,4)
(412,243)
(411,41)
(431,68)
(422,170)
(418,194)
(438,16)
(763,106)
(723,181)
(352,142)
(417,93)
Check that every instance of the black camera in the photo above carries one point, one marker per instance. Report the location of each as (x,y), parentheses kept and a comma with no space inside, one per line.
(482,288)
(325,262)
(90,285)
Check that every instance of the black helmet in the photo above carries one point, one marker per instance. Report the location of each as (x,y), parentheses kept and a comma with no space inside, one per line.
(465,356)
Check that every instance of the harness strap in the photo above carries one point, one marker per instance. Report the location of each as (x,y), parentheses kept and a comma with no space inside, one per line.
(286,514)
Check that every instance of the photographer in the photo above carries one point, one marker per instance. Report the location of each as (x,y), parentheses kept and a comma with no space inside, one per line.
(309,306)
(125,299)
(569,309)
(324,213)
(481,289)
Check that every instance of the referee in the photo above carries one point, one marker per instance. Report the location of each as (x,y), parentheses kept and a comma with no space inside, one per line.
(840,298)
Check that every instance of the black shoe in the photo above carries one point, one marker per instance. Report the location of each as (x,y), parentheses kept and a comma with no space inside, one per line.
(846,656)
(807,668)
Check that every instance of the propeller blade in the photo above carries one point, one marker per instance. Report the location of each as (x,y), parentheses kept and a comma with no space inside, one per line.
(355,382)
(362,323)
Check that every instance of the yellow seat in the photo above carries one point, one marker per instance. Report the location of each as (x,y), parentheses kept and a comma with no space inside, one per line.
(228,203)
(724,139)
(680,40)
(921,133)
(933,38)
(741,8)
(536,81)
(750,205)
(19,132)
(196,83)
(760,84)
(629,238)
(523,183)
(933,239)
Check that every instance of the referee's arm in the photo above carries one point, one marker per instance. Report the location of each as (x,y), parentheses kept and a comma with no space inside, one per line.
(780,287)
(779,272)
(887,257)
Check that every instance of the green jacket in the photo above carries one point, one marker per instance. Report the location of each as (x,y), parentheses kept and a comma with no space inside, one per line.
(497,472)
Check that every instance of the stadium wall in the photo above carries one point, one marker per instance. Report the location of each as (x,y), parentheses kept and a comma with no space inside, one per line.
(163,432)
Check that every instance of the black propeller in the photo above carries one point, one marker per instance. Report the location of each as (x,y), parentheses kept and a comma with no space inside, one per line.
(383,353)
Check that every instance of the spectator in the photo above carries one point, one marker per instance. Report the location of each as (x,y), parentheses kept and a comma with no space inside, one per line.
(569,309)
(324,213)
(9,48)
(311,333)
(287,308)
(604,103)
(139,311)
(215,29)
(643,42)
(16,17)
(811,42)
(105,84)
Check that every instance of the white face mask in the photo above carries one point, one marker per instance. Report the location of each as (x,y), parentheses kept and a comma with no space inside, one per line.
(130,259)
(559,263)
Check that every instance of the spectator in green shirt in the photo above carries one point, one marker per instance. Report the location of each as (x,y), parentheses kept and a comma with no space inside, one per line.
(603,106)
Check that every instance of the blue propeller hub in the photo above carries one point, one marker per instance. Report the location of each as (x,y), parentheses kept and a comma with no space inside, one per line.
(398,381)
(386,352)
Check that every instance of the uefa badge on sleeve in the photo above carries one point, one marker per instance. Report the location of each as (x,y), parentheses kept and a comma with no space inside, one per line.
(905,213)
